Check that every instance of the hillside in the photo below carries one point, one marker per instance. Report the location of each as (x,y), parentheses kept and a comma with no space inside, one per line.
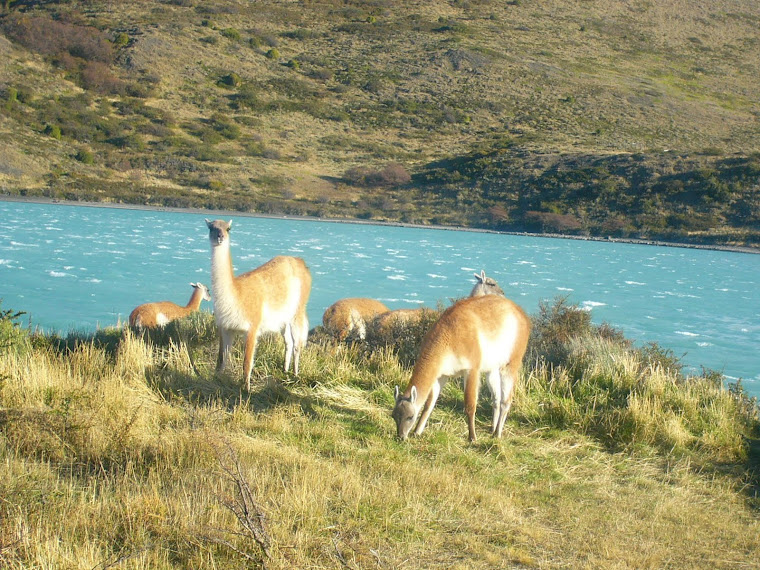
(635,119)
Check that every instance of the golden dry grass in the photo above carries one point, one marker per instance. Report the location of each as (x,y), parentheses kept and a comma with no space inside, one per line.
(128,457)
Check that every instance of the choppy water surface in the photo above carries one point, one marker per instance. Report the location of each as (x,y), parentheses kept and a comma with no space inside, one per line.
(78,268)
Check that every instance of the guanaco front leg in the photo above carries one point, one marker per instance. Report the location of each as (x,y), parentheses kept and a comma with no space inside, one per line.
(428,408)
(226,340)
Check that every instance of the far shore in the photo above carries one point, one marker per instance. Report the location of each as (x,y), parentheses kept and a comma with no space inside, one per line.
(235,213)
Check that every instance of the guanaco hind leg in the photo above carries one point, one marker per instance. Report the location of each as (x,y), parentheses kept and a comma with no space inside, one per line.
(508,378)
(471,399)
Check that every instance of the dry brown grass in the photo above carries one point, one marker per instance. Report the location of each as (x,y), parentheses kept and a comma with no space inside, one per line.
(128,457)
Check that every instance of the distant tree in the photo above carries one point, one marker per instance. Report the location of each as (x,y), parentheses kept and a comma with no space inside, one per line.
(554,223)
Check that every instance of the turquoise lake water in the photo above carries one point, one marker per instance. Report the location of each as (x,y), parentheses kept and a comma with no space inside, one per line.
(79,268)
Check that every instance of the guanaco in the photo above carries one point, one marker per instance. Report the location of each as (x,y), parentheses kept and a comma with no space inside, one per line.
(477,334)
(271,298)
(152,315)
(350,316)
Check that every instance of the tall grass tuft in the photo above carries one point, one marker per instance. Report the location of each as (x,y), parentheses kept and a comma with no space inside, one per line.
(593,380)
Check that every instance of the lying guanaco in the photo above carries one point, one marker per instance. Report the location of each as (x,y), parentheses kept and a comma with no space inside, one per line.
(271,298)
(350,316)
(475,335)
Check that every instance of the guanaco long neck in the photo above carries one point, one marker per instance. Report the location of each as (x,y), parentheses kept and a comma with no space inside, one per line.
(222,276)
(425,374)
(195,300)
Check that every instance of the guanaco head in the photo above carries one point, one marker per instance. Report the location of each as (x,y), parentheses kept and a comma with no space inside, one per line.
(405,412)
(218,231)
(205,293)
(485,286)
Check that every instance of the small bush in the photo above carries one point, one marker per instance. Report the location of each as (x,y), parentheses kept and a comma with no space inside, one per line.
(85,157)
(12,336)
(53,131)
(231,34)
(231,80)
(273,53)
(121,40)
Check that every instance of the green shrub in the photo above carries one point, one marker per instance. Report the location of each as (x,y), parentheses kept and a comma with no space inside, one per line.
(85,157)
(121,39)
(231,34)
(231,80)
(53,131)
(273,53)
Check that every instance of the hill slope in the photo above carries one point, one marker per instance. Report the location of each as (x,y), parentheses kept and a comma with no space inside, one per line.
(327,108)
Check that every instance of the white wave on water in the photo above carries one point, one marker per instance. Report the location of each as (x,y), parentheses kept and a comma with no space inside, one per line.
(686,333)
(397,277)
(703,344)
(588,305)
(19,244)
(565,289)
(634,283)
(54,273)
(434,276)
(93,280)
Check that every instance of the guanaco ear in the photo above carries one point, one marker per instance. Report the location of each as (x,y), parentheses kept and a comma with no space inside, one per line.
(209,223)
(229,225)
(397,392)
(413,395)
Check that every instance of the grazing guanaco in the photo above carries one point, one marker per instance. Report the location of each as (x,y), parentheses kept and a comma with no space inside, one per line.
(485,286)
(152,315)
(271,298)
(348,316)
(475,335)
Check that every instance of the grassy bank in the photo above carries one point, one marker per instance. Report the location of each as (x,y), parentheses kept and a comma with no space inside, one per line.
(126,452)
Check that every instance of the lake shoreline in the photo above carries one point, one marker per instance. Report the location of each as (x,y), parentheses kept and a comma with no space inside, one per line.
(235,213)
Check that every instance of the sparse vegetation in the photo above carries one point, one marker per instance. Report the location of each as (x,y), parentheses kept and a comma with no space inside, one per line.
(119,449)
